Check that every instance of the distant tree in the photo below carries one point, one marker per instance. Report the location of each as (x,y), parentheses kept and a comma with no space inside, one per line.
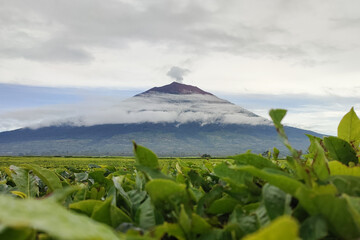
(207,156)
(267,154)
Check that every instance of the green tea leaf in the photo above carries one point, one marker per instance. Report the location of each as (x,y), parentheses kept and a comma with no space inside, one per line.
(25,182)
(44,216)
(101,211)
(46,175)
(347,184)
(320,162)
(340,150)
(59,195)
(171,229)
(313,228)
(276,178)
(223,171)
(277,202)
(109,214)
(277,115)
(222,205)
(343,219)
(98,175)
(123,195)
(199,225)
(337,168)
(164,191)
(184,221)
(145,215)
(153,173)
(206,200)
(349,127)
(284,227)
(253,160)
(85,206)
(145,157)
(80,177)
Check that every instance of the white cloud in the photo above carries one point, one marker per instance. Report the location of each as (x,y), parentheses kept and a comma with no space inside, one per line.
(157,108)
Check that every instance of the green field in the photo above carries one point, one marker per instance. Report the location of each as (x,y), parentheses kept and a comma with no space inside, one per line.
(84,162)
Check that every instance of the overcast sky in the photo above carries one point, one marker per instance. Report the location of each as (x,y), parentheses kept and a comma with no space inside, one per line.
(303,55)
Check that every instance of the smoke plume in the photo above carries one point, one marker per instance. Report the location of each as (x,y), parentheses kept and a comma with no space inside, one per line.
(177,73)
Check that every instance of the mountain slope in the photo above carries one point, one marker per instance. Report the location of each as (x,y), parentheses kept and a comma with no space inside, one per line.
(173,120)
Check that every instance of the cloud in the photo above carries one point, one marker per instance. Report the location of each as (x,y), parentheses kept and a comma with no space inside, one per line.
(68,31)
(177,73)
(158,108)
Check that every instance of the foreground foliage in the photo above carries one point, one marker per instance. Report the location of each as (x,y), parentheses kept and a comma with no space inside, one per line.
(305,196)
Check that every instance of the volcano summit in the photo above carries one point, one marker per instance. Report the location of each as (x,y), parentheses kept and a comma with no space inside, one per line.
(172,120)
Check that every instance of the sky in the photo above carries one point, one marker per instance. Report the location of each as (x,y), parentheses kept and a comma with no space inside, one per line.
(302,55)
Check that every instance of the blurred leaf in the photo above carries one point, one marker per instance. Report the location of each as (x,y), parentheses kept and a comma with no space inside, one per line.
(349,127)
(60,195)
(347,184)
(337,168)
(313,228)
(36,214)
(247,222)
(342,217)
(284,227)
(101,211)
(111,215)
(171,229)
(277,116)
(340,150)
(276,178)
(184,221)
(47,176)
(153,173)
(122,194)
(82,176)
(25,182)
(85,206)
(98,175)
(199,225)
(223,171)
(17,234)
(198,181)
(164,191)
(145,157)
(253,160)
(222,205)
(136,197)
(277,202)
(320,162)
(145,215)
(344,220)
(208,198)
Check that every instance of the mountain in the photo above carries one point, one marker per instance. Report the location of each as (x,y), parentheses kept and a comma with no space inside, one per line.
(176,88)
(172,120)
